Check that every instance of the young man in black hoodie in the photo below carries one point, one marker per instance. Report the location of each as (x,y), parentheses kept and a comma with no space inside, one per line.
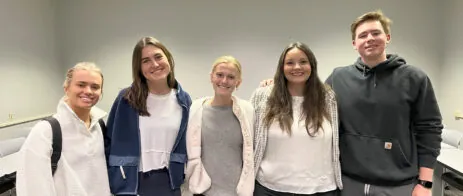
(390,123)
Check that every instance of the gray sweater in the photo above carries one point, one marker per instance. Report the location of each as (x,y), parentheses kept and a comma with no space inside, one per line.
(222,149)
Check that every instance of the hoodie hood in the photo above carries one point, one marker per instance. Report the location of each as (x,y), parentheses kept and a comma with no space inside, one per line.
(393,61)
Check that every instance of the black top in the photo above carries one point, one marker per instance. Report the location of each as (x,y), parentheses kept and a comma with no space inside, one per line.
(390,123)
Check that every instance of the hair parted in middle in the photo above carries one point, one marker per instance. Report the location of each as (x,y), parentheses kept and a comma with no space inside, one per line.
(279,104)
(138,91)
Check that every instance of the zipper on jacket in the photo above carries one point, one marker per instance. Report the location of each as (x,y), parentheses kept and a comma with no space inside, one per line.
(122,172)
(184,107)
(136,185)
(140,156)
(137,178)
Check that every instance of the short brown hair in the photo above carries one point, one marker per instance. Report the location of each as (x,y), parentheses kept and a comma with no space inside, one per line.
(372,16)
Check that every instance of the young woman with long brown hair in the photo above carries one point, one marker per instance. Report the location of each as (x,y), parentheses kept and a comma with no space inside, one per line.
(296,130)
(145,142)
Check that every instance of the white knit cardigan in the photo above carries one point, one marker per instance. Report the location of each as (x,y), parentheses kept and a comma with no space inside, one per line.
(197,177)
(259,102)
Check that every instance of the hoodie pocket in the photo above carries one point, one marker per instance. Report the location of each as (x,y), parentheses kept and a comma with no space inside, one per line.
(374,158)
(123,175)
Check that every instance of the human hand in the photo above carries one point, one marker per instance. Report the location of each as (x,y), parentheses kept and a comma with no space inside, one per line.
(266,82)
(421,191)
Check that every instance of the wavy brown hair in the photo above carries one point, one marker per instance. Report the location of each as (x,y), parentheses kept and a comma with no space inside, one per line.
(138,91)
(279,104)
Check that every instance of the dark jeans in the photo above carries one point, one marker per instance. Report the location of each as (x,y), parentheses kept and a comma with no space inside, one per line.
(260,190)
(156,182)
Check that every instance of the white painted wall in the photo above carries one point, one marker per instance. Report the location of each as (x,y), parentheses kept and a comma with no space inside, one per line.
(42,38)
(451,69)
(255,32)
(30,75)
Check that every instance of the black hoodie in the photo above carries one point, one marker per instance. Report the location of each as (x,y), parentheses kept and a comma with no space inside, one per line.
(390,123)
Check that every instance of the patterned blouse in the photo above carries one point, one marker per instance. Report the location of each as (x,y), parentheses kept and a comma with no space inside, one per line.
(259,102)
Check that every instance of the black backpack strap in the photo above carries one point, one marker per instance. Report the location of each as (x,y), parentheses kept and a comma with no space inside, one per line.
(7,182)
(56,143)
(103,126)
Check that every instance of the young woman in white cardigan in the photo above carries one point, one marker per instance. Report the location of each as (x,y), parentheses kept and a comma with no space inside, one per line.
(219,137)
(296,130)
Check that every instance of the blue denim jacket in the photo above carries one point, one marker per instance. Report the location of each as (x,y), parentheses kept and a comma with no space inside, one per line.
(122,146)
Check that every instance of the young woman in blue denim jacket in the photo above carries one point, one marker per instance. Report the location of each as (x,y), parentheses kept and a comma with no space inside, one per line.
(145,141)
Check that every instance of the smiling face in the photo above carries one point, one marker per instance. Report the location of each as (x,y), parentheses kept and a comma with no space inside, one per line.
(225,78)
(297,68)
(83,90)
(370,40)
(154,64)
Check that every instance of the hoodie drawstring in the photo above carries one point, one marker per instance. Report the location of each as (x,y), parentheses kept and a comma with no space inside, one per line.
(374,76)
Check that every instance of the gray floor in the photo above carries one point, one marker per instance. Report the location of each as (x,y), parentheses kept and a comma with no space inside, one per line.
(453,192)
(450,192)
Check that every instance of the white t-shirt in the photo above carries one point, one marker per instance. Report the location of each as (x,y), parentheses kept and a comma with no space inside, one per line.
(158,131)
(299,163)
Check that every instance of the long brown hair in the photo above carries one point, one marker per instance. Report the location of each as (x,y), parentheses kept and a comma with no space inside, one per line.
(138,91)
(279,104)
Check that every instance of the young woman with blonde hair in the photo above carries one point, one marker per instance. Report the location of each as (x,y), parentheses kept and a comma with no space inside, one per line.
(81,169)
(219,137)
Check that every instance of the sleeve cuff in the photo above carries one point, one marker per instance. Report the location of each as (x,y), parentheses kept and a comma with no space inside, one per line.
(427,161)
